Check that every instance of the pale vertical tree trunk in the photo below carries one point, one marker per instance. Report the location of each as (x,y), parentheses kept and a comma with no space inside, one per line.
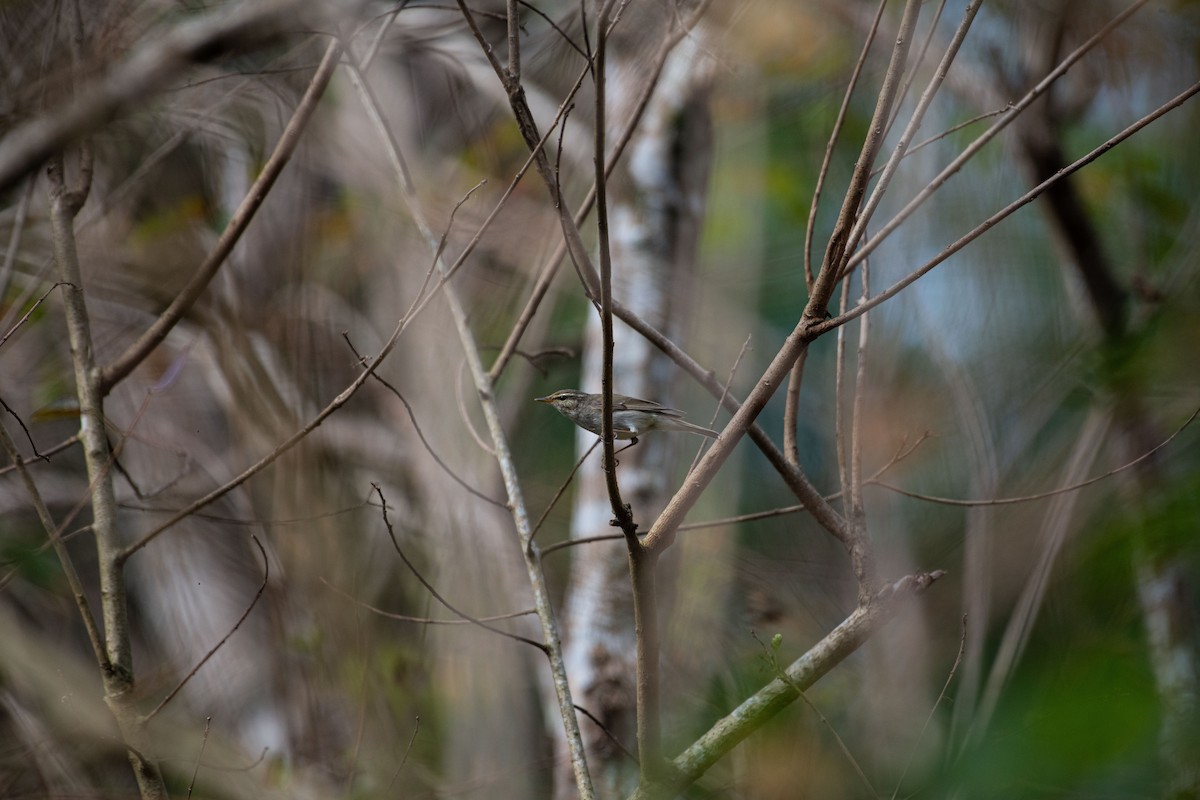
(656,207)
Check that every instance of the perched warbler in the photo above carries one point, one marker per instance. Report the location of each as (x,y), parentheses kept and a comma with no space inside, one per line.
(631,417)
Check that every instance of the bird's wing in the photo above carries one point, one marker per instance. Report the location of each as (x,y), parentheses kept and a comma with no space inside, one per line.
(634,404)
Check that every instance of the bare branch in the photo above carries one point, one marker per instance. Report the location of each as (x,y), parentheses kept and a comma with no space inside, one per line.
(25,317)
(424,620)
(1004,501)
(412,417)
(1007,117)
(837,250)
(204,660)
(64,557)
(914,124)
(429,586)
(754,712)
(823,172)
(145,344)
(989,223)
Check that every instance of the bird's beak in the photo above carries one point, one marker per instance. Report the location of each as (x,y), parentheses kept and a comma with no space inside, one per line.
(545,399)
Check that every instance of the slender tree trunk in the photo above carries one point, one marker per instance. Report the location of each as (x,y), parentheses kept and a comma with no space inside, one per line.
(656,211)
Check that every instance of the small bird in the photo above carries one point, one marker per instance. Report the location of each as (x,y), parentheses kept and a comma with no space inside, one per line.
(631,417)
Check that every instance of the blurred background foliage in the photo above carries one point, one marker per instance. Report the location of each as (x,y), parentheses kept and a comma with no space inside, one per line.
(995,357)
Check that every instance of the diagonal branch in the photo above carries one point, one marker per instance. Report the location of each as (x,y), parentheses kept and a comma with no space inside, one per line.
(824,326)
(663,531)
(802,673)
(1010,114)
(145,344)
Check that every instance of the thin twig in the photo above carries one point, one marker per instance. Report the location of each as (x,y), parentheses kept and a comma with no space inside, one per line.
(424,620)
(916,62)
(827,159)
(78,594)
(733,368)
(948,132)
(430,588)
(204,660)
(840,449)
(607,733)
(771,653)
(1003,501)
(199,757)
(412,417)
(914,124)
(411,740)
(974,147)
(284,148)
(962,646)
(820,328)
(28,437)
(862,556)
(561,489)
(45,454)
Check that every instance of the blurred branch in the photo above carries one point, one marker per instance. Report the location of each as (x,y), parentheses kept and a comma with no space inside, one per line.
(142,73)
(14,240)
(862,556)
(287,444)
(284,148)
(1055,528)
